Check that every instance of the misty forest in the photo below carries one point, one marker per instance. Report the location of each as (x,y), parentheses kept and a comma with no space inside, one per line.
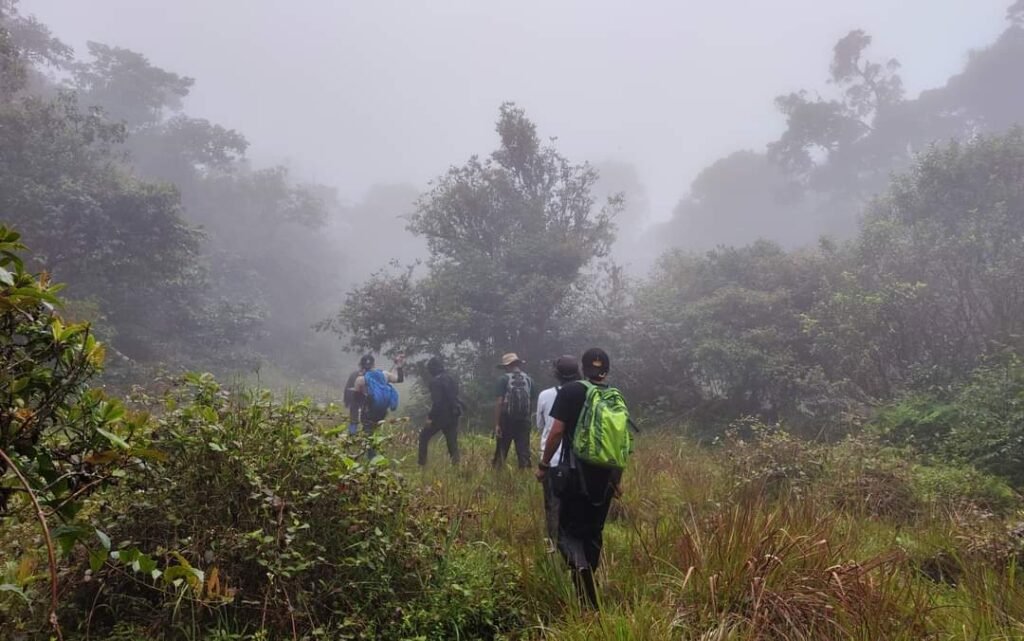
(821,346)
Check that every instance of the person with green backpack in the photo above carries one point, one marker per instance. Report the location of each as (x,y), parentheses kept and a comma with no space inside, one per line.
(592,425)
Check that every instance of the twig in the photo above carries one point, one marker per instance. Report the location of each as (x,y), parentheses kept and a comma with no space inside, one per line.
(80,491)
(49,542)
(291,615)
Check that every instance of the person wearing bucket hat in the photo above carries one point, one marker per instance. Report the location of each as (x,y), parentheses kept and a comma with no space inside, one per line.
(565,369)
(514,394)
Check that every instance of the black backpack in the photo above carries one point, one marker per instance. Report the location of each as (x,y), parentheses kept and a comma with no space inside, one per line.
(517,396)
(455,405)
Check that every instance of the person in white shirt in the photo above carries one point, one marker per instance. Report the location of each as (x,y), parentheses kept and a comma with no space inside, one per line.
(566,370)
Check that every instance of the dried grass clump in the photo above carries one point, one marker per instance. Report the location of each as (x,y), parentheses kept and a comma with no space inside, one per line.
(748,566)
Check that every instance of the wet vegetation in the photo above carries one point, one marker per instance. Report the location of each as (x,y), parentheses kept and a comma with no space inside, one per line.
(824,356)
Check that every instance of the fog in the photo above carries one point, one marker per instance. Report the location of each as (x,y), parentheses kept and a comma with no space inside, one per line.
(794,229)
(357,94)
(283,193)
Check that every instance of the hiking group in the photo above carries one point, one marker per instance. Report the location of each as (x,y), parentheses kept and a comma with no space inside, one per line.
(585,440)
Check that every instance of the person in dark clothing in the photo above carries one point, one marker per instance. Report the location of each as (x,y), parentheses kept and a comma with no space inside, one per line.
(445,410)
(512,413)
(585,502)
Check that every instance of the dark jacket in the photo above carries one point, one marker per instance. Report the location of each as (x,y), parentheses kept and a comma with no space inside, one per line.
(444,398)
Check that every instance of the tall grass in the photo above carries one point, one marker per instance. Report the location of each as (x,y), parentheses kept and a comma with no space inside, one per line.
(771,542)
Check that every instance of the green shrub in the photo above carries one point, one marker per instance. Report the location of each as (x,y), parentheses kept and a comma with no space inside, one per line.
(920,421)
(763,458)
(60,441)
(263,514)
(959,486)
(989,432)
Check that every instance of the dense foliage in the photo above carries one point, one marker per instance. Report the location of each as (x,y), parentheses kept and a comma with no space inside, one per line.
(281,524)
(925,293)
(233,507)
(509,238)
(111,184)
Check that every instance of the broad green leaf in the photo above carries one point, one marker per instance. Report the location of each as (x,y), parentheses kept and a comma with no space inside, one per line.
(68,535)
(145,564)
(114,439)
(97,558)
(113,412)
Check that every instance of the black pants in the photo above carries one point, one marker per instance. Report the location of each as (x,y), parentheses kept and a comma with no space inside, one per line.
(581,518)
(450,428)
(513,431)
(370,420)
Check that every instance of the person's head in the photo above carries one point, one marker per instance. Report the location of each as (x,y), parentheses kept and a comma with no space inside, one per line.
(510,362)
(596,364)
(435,365)
(366,362)
(566,369)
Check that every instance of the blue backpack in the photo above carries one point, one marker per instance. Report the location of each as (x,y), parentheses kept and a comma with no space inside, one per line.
(381,394)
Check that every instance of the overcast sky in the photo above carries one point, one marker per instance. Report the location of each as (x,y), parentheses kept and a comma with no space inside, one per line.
(379,91)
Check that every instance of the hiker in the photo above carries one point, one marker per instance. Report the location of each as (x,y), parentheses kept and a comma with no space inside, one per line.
(592,425)
(354,401)
(372,389)
(566,370)
(445,410)
(512,412)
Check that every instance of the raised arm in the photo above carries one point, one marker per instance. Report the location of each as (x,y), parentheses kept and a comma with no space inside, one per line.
(397,373)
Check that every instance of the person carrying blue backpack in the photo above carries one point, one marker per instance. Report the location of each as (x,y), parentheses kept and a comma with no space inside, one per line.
(374,393)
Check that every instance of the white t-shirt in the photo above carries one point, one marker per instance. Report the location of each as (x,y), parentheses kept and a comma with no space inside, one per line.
(544,421)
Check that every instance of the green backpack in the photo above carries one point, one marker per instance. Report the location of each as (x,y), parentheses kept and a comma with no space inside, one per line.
(602,436)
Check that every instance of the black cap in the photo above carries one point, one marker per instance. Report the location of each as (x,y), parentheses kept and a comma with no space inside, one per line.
(435,365)
(567,368)
(596,363)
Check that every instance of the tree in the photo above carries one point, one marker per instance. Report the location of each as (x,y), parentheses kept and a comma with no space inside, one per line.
(108,234)
(953,224)
(980,98)
(718,336)
(31,39)
(183,151)
(819,132)
(716,212)
(116,240)
(508,236)
(1015,13)
(127,87)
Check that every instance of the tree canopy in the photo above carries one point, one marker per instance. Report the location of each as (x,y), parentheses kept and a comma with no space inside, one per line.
(509,237)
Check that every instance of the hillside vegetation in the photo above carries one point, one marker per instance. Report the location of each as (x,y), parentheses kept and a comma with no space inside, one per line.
(832,441)
(260,521)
